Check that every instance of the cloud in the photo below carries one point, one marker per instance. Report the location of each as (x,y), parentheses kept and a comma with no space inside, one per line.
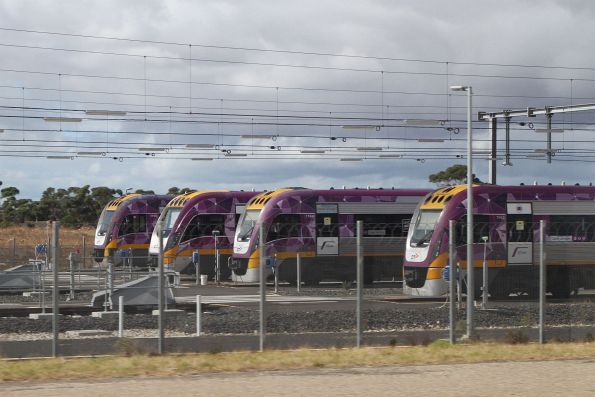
(461,32)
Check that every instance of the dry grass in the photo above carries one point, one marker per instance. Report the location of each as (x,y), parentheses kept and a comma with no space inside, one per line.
(167,365)
(27,237)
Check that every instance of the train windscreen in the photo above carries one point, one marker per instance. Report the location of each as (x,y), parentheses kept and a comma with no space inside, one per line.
(424,227)
(171,215)
(248,221)
(104,220)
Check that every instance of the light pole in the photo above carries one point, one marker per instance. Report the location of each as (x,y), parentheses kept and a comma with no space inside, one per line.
(470,276)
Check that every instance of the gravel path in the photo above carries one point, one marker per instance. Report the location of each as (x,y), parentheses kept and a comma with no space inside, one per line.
(541,378)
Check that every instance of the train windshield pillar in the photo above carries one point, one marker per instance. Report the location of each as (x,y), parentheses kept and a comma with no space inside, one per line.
(247,223)
(170,216)
(104,220)
(424,227)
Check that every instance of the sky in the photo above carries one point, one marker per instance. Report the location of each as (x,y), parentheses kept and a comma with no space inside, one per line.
(340,78)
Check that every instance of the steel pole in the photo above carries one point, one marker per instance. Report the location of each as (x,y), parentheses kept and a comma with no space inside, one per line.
(160,295)
(298,262)
(262,287)
(14,251)
(84,252)
(55,286)
(198,315)
(120,316)
(470,275)
(217,271)
(485,270)
(542,280)
(492,169)
(452,280)
(71,268)
(360,281)
(549,137)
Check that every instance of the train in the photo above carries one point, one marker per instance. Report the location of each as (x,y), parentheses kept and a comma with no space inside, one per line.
(199,222)
(505,236)
(320,225)
(125,226)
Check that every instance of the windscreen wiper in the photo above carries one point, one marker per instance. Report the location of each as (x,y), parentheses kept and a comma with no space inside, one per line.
(424,239)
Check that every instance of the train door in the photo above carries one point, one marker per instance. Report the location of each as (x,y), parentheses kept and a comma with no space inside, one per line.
(519,229)
(327,229)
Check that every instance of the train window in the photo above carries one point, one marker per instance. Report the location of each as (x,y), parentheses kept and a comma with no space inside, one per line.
(385,225)
(520,228)
(327,225)
(572,227)
(481,228)
(284,226)
(136,223)
(204,225)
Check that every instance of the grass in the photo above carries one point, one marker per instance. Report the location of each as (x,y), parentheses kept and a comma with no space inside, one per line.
(439,352)
(27,237)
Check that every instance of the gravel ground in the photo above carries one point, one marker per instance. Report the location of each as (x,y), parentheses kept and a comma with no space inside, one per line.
(84,297)
(242,320)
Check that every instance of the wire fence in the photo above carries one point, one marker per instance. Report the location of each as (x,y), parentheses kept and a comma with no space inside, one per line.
(351,294)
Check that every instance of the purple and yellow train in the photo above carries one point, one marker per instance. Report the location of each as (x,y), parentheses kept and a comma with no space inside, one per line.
(320,225)
(506,235)
(201,222)
(125,227)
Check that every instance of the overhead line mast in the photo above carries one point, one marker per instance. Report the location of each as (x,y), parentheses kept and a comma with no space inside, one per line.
(506,115)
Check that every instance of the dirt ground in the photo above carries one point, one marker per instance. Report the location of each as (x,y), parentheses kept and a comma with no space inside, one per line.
(535,378)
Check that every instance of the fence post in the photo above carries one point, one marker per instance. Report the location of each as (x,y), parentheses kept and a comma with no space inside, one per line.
(14,251)
(276,275)
(71,269)
(84,253)
(360,281)
(56,289)
(198,315)
(160,295)
(485,271)
(120,316)
(42,271)
(542,280)
(110,283)
(262,288)
(196,261)
(298,263)
(453,276)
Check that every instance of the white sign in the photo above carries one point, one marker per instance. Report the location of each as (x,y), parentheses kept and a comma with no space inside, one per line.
(520,253)
(327,208)
(558,238)
(519,208)
(327,246)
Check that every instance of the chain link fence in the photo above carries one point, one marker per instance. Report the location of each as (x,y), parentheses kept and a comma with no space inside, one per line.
(311,298)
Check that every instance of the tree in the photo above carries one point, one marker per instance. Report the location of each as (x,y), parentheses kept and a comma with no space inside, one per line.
(173,190)
(453,175)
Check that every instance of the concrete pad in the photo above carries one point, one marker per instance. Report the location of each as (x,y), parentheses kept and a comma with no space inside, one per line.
(41,316)
(105,314)
(93,332)
(170,312)
(34,293)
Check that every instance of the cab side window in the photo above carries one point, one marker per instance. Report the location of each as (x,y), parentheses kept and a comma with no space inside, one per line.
(135,223)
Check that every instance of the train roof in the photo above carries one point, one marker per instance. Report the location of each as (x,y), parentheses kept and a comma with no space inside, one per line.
(127,199)
(260,201)
(439,198)
(192,198)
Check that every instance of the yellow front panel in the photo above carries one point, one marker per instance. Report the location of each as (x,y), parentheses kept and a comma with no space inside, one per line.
(258,202)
